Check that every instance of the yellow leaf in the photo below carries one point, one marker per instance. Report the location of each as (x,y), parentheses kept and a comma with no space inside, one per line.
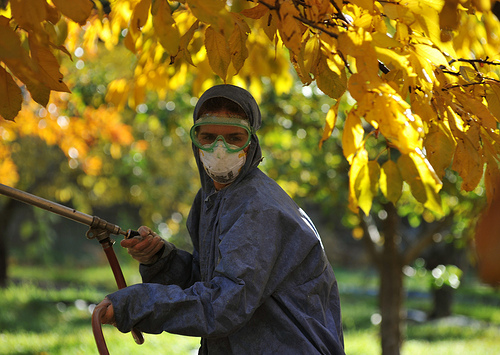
(208,11)
(359,162)
(468,160)
(352,137)
(165,27)
(290,28)
(472,105)
(366,185)
(255,12)
(448,16)
(328,81)
(218,52)
(48,66)
(331,118)
(53,15)
(492,173)
(11,98)
(20,64)
(399,12)
(237,42)
(493,99)
(391,182)
(39,92)
(140,15)
(117,93)
(423,181)
(364,4)
(29,13)
(430,54)
(184,43)
(410,174)
(393,59)
(309,55)
(440,148)
(397,123)
(129,42)
(271,28)
(384,41)
(470,75)
(356,87)
(76,10)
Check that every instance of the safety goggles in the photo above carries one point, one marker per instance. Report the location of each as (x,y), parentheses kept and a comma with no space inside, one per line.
(234,132)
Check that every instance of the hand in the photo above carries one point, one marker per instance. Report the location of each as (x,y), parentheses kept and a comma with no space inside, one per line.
(144,247)
(106,312)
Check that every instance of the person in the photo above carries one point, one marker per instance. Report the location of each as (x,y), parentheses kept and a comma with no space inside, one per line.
(258,280)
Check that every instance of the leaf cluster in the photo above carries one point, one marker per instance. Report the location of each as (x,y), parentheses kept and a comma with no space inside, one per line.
(423,73)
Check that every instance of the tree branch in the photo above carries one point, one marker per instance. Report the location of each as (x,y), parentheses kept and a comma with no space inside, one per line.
(413,251)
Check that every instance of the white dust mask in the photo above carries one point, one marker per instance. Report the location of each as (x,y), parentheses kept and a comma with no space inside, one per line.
(221,165)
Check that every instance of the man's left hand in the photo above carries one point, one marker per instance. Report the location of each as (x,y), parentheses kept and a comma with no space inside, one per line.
(107,312)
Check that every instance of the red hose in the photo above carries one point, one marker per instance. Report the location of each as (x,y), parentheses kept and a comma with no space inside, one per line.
(97,330)
(107,246)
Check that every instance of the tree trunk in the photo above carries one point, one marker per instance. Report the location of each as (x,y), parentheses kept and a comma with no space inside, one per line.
(391,286)
(442,302)
(5,216)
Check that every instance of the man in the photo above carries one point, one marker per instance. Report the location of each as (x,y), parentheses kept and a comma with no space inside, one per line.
(258,280)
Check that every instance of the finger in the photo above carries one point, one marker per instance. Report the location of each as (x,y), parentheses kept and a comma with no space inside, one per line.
(154,244)
(106,311)
(144,231)
(129,243)
(145,245)
(109,315)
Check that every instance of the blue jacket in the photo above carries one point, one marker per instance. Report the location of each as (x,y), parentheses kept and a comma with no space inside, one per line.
(258,280)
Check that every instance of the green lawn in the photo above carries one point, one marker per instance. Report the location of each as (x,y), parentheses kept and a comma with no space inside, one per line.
(46,311)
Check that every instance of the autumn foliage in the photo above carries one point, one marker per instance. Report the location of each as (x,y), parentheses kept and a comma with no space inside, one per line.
(423,73)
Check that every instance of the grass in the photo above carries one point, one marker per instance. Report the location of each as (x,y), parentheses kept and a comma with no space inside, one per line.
(48,311)
(474,329)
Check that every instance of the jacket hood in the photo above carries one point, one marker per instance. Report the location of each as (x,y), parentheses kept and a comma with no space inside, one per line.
(247,102)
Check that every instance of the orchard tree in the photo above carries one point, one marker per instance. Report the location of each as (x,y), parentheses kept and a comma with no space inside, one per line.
(423,74)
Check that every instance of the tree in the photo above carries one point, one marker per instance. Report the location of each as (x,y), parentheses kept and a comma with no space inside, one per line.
(423,74)
(89,156)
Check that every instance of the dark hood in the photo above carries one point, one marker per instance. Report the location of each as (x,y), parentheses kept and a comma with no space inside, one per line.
(244,99)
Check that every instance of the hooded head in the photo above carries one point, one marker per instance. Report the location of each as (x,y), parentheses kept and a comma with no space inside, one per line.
(245,105)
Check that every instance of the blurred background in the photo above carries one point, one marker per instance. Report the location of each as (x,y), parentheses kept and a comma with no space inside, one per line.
(136,168)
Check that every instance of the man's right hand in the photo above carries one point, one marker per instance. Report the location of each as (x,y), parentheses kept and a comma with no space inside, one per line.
(145,246)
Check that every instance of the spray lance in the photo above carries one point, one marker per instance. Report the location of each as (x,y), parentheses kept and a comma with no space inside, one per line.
(98,229)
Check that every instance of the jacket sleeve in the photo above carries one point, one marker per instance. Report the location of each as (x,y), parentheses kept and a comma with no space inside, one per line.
(250,267)
(177,268)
